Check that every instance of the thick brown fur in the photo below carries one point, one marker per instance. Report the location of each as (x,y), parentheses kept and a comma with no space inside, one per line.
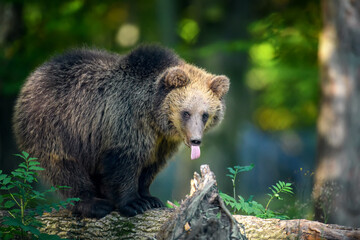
(105,124)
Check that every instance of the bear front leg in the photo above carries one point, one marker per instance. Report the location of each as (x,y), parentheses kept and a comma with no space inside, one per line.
(121,177)
(146,178)
(62,171)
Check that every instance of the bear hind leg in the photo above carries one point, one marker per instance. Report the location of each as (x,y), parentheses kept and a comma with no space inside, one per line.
(69,172)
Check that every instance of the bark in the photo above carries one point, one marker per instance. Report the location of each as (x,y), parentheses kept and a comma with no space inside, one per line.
(202,215)
(337,178)
(275,229)
(113,226)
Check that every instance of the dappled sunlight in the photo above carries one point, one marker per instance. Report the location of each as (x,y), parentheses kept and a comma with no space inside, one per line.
(262,54)
(188,30)
(259,78)
(274,119)
(127,35)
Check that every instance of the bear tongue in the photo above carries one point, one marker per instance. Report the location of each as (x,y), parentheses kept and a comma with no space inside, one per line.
(195,152)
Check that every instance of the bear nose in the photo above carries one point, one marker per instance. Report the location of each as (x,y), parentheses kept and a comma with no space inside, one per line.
(195,142)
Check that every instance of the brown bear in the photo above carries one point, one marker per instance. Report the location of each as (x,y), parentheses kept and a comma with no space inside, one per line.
(105,124)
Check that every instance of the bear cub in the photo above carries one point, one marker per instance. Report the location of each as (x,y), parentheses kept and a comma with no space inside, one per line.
(105,124)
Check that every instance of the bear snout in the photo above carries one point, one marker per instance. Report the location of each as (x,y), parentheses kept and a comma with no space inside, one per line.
(195,142)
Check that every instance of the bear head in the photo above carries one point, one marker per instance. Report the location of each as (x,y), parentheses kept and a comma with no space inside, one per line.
(193,103)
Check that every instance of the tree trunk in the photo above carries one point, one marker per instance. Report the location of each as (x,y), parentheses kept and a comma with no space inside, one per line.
(11,22)
(337,179)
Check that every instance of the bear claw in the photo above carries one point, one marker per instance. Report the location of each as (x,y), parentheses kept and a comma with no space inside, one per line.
(154,202)
(134,207)
(94,208)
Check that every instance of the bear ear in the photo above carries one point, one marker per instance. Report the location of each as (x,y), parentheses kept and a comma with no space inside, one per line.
(175,78)
(220,85)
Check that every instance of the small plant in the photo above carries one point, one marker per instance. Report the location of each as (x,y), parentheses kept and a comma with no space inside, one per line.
(174,204)
(233,173)
(251,207)
(20,196)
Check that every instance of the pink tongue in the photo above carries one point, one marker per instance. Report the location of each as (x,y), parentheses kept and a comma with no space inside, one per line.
(195,152)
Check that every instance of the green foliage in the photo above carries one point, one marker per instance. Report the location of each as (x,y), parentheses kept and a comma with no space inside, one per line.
(234,171)
(176,203)
(284,67)
(251,207)
(20,195)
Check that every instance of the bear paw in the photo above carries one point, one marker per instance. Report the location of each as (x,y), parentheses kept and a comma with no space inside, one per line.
(94,208)
(154,201)
(134,207)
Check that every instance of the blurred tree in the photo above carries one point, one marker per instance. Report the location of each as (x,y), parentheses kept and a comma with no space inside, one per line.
(11,28)
(11,21)
(337,186)
(284,72)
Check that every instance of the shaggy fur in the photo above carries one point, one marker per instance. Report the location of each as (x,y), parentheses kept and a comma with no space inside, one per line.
(105,124)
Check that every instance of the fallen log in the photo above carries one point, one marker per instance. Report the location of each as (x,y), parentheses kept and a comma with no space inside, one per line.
(274,229)
(202,215)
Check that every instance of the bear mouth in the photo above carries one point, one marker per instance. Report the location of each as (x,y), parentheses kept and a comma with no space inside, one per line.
(195,150)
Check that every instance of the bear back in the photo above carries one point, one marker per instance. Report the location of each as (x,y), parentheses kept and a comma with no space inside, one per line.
(149,61)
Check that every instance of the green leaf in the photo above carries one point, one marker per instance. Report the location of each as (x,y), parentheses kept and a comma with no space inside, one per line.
(288,191)
(6,187)
(25,154)
(16,211)
(44,236)
(9,204)
(231,170)
(30,178)
(20,170)
(36,168)
(19,155)
(3,176)
(244,168)
(23,165)
(37,193)
(6,180)
(12,222)
(78,199)
(33,163)
(31,229)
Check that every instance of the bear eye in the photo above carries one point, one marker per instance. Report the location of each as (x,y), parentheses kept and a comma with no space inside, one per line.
(185,115)
(205,117)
